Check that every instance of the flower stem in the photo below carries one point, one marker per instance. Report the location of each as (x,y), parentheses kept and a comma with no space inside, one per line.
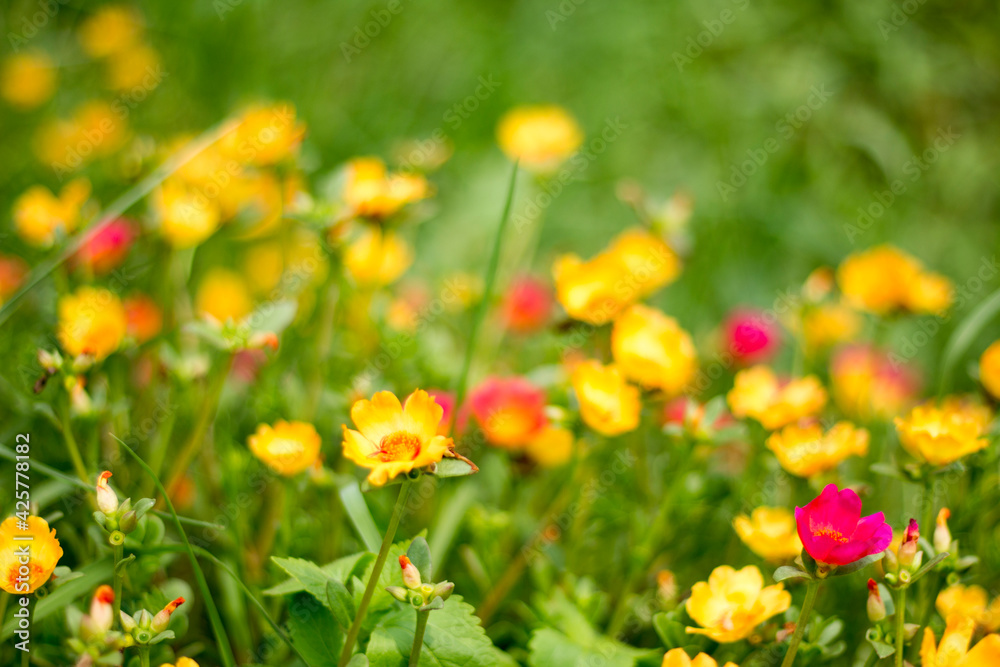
(119,551)
(383,553)
(812,590)
(900,623)
(71,445)
(418,637)
(143,656)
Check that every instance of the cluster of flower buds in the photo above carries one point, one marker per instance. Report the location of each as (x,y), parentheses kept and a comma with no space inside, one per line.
(905,562)
(53,363)
(422,596)
(146,629)
(118,519)
(93,640)
(881,611)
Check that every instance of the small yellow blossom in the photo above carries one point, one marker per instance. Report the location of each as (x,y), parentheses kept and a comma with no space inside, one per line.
(770,532)
(377,257)
(393,439)
(678,658)
(653,350)
(370,191)
(732,603)
(758,393)
(223,296)
(942,434)
(970,601)
(953,651)
(869,384)
(264,135)
(608,403)
(111,29)
(182,662)
(96,129)
(45,554)
(806,451)
(885,279)
(827,325)
(541,137)
(91,321)
(138,67)
(989,369)
(27,80)
(186,216)
(551,447)
(288,448)
(41,218)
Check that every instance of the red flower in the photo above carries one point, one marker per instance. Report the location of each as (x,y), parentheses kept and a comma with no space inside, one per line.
(527,305)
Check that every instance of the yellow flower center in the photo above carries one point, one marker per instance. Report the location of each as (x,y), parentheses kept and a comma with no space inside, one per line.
(827,531)
(399,446)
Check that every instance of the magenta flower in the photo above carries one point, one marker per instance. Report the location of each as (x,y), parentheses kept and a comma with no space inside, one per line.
(833,531)
(750,336)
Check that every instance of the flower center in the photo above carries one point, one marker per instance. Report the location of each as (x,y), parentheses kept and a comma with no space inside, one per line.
(831,533)
(398,446)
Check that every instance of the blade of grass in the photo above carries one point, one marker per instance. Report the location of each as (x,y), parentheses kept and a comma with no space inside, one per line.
(360,516)
(225,650)
(964,335)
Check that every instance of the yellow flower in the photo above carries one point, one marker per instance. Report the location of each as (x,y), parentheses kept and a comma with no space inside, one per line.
(989,369)
(757,393)
(288,448)
(827,325)
(970,601)
(678,658)
(541,137)
(182,662)
(635,265)
(112,29)
(770,532)
(264,135)
(19,578)
(941,434)
(392,439)
(868,383)
(551,447)
(608,404)
(653,350)
(370,191)
(733,602)
(377,257)
(136,67)
(41,218)
(186,216)
(91,321)
(953,650)
(28,80)
(884,279)
(806,451)
(223,296)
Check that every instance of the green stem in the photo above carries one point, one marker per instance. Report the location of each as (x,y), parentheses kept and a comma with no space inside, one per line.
(143,656)
(812,590)
(927,586)
(383,553)
(71,445)
(4,599)
(418,637)
(484,303)
(900,623)
(872,659)
(119,550)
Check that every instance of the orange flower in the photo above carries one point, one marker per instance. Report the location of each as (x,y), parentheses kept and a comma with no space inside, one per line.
(111,29)
(678,658)
(12,273)
(264,135)
(371,191)
(653,350)
(143,316)
(510,411)
(551,447)
(91,321)
(288,448)
(770,532)
(377,257)
(18,577)
(885,279)
(394,439)
(758,393)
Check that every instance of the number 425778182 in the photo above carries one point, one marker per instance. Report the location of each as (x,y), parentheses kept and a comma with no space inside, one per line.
(22,494)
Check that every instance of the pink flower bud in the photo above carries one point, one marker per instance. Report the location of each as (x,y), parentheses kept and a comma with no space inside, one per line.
(107,499)
(411,575)
(909,549)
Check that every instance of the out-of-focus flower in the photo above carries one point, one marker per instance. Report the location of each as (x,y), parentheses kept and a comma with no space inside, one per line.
(183,661)
(942,434)
(223,296)
(510,411)
(770,533)
(608,403)
(96,129)
(971,602)
(953,651)
(41,218)
(377,257)
(265,135)
(989,369)
(186,216)
(942,536)
(527,306)
(749,337)
(678,658)
(551,447)
(833,531)
(867,384)
(288,448)
(689,415)
(12,273)
(758,393)
(541,137)
(827,325)
(98,622)
(886,279)
(136,68)
(27,79)
(446,400)
(370,191)
(92,321)
(733,602)
(44,548)
(635,265)
(806,451)
(653,350)
(818,284)
(394,439)
(111,29)
(104,249)
(143,317)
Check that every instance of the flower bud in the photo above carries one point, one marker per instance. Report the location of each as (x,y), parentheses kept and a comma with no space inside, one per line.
(162,618)
(107,499)
(400,594)
(411,575)
(50,361)
(127,621)
(443,590)
(876,608)
(909,549)
(128,522)
(942,536)
(143,619)
(98,622)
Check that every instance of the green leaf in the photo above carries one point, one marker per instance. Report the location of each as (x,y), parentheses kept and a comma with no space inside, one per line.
(340,602)
(420,555)
(359,660)
(307,573)
(453,468)
(928,566)
(887,470)
(550,648)
(790,572)
(314,631)
(964,335)
(882,650)
(851,568)
(360,516)
(382,650)
(340,569)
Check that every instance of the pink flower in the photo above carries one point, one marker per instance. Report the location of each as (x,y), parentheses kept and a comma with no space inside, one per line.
(833,531)
(446,400)
(509,410)
(527,305)
(104,249)
(749,337)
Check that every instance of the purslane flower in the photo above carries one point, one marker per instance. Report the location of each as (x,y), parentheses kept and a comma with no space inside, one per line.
(608,403)
(770,533)
(833,531)
(288,448)
(757,392)
(678,658)
(732,603)
(541,137)
(92,321)
(805,450)
(942,434)
(885,279)
(45,554)
(953,651)
(653,350)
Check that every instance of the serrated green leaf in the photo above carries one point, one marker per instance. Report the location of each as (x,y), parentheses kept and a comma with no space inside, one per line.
(340,602)
(550,648)
(341,569)
(307,573)
(314,631)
